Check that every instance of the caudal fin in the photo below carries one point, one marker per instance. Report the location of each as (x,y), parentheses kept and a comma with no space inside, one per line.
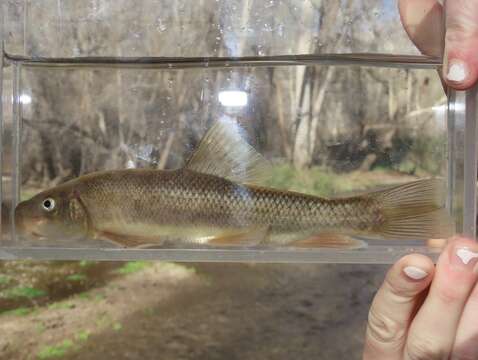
(414,211)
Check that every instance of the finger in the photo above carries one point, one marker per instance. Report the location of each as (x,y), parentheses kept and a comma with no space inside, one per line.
(461,43)
(437,244)
(423,22)
(432,332)
(466,340)
(394,306)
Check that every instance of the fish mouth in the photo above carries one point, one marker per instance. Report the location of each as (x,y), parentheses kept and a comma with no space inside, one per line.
(37,235)
(32,234)
(29,226)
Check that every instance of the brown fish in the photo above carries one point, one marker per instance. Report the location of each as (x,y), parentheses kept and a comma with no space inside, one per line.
(213,200)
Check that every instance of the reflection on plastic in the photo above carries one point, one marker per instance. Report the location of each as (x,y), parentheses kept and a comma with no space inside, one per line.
(25,99)
(233,98)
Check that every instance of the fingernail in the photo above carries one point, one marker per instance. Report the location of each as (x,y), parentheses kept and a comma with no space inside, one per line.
(457,71)
(415,273)
(463,257)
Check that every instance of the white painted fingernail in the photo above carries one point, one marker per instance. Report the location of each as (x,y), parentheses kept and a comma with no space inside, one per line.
(463,258)
(456,71)
(466,255)
(415,273)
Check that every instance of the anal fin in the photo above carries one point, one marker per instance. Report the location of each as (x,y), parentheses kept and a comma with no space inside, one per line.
(330,241)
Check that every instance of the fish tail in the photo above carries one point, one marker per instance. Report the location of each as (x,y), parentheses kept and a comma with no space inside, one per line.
(414,211)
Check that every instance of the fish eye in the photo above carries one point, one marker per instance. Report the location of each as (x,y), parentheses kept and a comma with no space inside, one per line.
(48,204)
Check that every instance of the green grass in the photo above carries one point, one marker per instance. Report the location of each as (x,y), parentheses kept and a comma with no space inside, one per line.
(61,305)
(21,311)
(429,152)
(99,297)
(103,321)
(314,181)
(117,326)
(76,277)
(28,193)
(150,311)
(84,295)
(23,291)
(83,335)
(320,181)
(40,328)
(61,349)
(4,279)
(55,351)
(177,267)
(132,267)
(86,263)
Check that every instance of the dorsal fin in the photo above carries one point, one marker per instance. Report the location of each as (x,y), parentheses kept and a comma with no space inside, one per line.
(224,152)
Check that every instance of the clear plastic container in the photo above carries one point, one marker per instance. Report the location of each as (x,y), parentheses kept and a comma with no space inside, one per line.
(335,97)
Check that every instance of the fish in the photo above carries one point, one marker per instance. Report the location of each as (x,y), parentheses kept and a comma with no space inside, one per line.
(216,199)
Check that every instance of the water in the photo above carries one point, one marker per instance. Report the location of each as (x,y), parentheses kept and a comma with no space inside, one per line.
(130,112)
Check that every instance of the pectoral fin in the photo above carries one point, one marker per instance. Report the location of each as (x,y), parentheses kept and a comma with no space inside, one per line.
(129,241)
(249,237)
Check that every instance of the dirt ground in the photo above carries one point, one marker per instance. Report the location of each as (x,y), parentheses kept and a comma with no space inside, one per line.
(204,311)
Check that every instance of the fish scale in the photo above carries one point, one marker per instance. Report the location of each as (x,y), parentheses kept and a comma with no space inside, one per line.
(183,197)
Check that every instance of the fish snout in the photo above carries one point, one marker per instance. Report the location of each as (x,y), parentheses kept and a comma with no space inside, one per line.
(25,222)
(19,217)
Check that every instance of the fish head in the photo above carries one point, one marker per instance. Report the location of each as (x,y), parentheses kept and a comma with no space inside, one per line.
(56,214)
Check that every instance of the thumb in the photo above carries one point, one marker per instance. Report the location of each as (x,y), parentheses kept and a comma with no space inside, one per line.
(394,307)
(461,43)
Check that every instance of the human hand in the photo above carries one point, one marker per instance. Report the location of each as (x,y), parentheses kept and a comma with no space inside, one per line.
(422,312)
(423,21)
